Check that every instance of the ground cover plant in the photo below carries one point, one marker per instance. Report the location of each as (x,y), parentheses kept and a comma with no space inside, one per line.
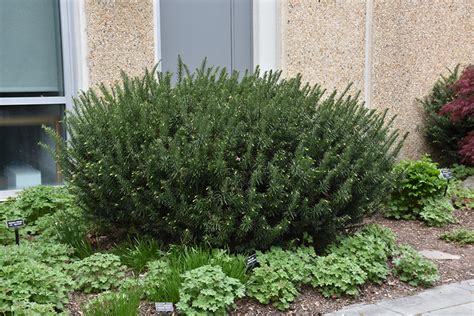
(461,236)
(413,268)
(241,162)
(98,272)
(34,276)
(208,290)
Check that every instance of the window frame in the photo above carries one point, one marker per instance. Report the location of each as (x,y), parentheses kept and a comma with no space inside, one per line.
(66,24)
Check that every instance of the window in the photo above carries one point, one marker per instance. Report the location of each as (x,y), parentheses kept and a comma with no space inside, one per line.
(35,89)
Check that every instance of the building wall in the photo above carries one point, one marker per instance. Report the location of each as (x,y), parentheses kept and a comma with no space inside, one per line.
(324,41)
(412,42)
(119,37)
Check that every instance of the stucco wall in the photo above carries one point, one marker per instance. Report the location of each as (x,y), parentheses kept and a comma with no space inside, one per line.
(119,37)
(324,41)
(412,43)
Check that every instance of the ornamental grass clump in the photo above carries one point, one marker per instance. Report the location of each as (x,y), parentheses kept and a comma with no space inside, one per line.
(230,161)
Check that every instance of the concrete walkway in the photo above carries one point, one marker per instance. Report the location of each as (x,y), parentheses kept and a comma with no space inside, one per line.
(451,299)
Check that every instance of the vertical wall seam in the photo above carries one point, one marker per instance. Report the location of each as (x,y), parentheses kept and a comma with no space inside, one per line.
(368,54)
(157,33)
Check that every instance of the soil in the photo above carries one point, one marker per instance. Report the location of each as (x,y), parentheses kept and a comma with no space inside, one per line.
(413,233)
(310,302)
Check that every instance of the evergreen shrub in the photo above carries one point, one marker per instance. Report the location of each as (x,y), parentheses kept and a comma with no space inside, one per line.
(245,162)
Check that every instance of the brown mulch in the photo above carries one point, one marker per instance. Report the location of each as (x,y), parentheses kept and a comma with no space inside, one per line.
(310,302)
(414,233)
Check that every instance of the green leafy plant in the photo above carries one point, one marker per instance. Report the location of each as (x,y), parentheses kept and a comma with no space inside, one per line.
(244,162)
(31,308)
(97,273)
(461,172)
(417,181)
(280,275)
(207,290)
(297,262)
(460,236)
(116,304)
(33,275)
(31,205)
(369,249)
(269,284)
(462,197)
(437,212)
(335,275)
(413,269)
(68,226)
(137,252)
(166,274)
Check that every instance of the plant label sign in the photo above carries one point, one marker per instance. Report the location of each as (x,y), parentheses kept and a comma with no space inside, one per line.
(164,307)
(15,224)
(446,174)
(252,262)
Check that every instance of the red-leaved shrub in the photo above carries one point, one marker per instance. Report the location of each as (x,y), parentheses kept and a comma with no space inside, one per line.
(462,109)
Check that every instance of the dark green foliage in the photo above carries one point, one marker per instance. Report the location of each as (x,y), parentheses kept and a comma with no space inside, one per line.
(137,252)
(414,269)
(460,236)
(441,132)
(212,159)
(417,181)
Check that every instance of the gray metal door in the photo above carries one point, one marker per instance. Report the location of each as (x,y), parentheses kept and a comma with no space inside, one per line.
(220,30)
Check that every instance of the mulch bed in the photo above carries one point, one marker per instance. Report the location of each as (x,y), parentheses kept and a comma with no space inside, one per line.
(310,302)
(414,233)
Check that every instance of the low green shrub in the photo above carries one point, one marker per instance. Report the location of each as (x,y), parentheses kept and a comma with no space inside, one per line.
(462,196)
(460,236)
(157,280)
(97,273)
(116,304)
(280,274)
(225,160)
(137,252)
(33,275)
(271,285)
(370,250)
(335,275)
(68,226)
(31,205)
(178,260)
(413,268)
(437,212)
(461,172)
(208,290)
(34,309)
(417,181)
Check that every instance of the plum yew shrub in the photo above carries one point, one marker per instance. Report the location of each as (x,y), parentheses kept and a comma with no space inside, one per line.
(241,161)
